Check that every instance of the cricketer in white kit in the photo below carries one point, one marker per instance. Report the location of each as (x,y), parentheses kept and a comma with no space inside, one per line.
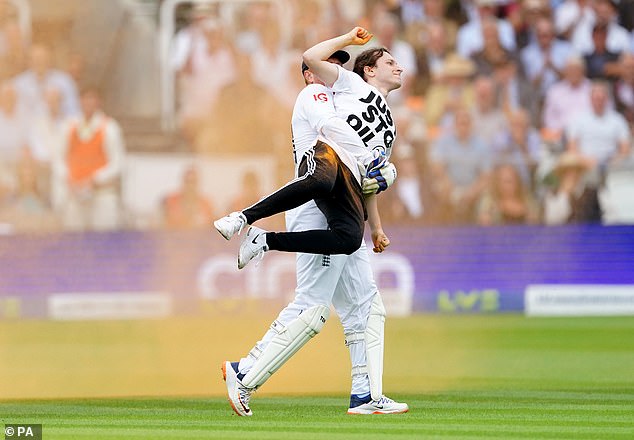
(345,281)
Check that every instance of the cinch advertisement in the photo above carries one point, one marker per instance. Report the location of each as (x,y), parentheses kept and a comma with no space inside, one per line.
(134,275)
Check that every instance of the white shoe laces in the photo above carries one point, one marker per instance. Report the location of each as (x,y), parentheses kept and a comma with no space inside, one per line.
(384,399)
(244,394)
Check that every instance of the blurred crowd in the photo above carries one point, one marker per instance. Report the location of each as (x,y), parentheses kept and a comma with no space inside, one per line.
(511,111)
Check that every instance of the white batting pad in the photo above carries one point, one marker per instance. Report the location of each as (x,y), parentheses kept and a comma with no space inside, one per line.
(285,344)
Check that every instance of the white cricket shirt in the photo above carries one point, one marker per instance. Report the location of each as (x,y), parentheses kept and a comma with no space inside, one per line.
(363,107)
(314,118)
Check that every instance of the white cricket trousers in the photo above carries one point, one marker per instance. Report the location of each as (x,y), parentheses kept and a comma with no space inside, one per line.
(345,281)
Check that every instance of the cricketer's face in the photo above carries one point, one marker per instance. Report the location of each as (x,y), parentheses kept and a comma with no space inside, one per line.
(387,72)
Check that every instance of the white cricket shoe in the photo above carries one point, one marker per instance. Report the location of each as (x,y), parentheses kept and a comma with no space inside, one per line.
(253,246)
(239,395)
(231,224)
(384,405)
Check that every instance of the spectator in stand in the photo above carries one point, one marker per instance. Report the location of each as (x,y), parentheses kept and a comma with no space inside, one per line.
(307,17)
(187,208)
(190,41)
(90,164)
(571,200)
(386,28)
(470,40)
(624,88)
(13,50)
(513,91)
(436,11)
(487,115)
(250,192)
(6,187)
(13,138)
(492,51)
(412,11)
(523,16)
(626,15)
(519,146)
(431,59)
(28,209)
(600,136)
(544,59)
(507,201)
(40,76)
(417,25)
(317,20)
(280,63)
(76,68)
(404,204)
(13,126)
(46,131)
(461,163)
(204,65)
(568,97)
(572,15)
(266,119)
(618,39)
(601,63)
(451,90)
(252,18)
(45,138)
(345,14)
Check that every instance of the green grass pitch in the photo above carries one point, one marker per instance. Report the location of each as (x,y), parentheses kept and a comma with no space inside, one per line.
(556,378)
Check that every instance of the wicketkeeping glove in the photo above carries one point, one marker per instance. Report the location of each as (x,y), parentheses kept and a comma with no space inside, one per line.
(379,180)
(379,161)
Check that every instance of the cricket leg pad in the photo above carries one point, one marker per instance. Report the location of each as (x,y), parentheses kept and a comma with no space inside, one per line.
(285,344)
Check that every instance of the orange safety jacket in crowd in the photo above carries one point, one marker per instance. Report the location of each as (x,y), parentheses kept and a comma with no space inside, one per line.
(85,157)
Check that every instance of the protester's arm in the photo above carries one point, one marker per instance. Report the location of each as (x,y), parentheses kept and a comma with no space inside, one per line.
(316,57)
(379,239)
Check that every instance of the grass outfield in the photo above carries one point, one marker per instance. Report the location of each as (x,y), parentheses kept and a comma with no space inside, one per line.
(504,414)
(465,377)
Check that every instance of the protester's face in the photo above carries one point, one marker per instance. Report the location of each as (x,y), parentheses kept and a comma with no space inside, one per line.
(388,72)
